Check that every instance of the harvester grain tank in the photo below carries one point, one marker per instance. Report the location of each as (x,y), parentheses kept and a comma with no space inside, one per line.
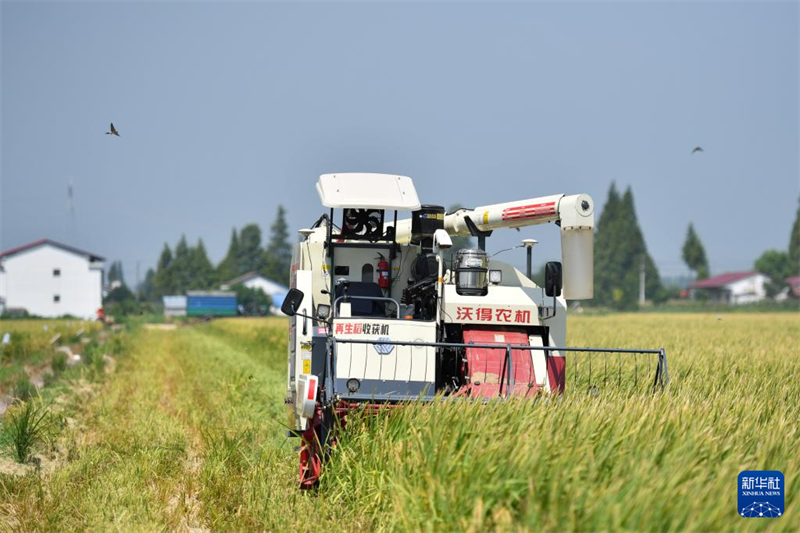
(378,316)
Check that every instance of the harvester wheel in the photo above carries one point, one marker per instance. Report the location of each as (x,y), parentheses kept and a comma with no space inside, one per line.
(310,453)
(313,450)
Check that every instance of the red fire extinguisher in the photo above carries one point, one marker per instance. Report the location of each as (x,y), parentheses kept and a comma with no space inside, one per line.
(383,273)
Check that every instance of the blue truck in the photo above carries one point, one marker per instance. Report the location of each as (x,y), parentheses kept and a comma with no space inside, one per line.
(211,303)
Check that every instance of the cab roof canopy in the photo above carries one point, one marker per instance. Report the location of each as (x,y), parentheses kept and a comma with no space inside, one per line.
(368,191)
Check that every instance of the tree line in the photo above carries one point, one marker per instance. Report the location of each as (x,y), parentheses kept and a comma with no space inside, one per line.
(620,255)
(782,264)
(187,267)
(620,251)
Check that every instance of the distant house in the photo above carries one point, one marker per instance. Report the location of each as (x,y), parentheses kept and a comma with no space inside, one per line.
(254,280)
(50,279)
(732,287)
(794,285)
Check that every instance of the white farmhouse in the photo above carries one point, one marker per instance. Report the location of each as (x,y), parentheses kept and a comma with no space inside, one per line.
(50,279)
(254,280)
(732,287)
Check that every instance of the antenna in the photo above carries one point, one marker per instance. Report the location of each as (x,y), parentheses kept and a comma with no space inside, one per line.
(71,212)
(529,244)
(70,206)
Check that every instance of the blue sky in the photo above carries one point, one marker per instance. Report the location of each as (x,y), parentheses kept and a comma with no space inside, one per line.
(227,110)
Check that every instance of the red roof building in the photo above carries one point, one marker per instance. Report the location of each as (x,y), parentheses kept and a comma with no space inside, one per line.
(794,285)
(42,242)
(732,287)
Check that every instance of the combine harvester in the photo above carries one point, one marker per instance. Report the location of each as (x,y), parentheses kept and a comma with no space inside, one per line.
(378,317)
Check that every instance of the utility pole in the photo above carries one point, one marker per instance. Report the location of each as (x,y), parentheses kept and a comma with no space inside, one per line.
(138,284)
(641,281)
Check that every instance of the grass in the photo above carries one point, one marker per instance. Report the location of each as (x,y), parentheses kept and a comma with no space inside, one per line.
(26,425)
(58,363)
(66,327)
(31,346)
(93,358)
(23,388)
(189,434)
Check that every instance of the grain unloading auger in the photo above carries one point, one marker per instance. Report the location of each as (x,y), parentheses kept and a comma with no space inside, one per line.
(379,317)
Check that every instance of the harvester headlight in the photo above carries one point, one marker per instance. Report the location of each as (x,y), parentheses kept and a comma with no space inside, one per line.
(323,311)
(353,385)
(495,276)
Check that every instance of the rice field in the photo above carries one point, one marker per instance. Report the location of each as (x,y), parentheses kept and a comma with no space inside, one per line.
(29,347)
(188,435)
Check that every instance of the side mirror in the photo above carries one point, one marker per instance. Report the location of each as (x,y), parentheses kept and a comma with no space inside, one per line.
(292,301)
(552,278)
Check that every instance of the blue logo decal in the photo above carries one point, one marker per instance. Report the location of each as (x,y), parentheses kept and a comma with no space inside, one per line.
(761,494)
(384,349)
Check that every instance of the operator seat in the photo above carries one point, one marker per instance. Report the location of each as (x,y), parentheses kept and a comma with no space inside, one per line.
(367,289)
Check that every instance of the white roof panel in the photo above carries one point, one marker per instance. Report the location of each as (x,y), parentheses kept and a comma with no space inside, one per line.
(368,191)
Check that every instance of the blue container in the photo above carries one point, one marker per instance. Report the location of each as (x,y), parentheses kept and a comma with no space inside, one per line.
(211,303)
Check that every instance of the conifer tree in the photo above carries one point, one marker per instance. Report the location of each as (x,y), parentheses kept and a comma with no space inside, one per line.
(201,271)
(229,266)
(163,282)
(607,275)
(147,288)
(794,244)
(629,260)
(694,255)
(620,250)
(250,255)
(181,267)
(637,252)
(278,255)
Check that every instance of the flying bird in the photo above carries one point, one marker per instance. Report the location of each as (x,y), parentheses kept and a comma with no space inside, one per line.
(696,148)
(112,130)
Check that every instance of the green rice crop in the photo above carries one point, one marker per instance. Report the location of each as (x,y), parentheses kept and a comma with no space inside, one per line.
(24,426)
(189,434)
(23,388)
